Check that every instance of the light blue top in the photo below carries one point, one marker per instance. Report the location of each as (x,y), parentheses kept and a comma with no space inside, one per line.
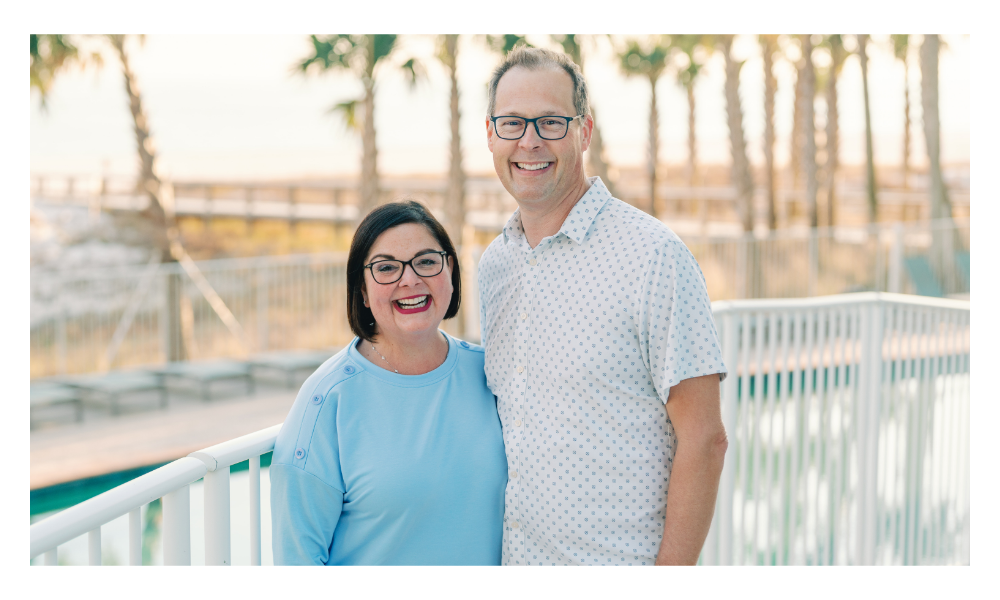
(376,468)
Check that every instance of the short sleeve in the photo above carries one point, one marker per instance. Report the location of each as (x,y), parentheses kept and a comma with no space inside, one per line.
(677,333)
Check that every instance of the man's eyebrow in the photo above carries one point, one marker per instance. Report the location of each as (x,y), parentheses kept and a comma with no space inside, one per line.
(515,113)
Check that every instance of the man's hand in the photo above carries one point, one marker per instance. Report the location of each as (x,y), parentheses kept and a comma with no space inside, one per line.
(694,410)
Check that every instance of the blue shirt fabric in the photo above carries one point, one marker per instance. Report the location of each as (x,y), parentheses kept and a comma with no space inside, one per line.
(585,334)
(376,468)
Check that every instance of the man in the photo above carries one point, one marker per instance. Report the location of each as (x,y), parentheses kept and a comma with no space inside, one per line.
(600,346)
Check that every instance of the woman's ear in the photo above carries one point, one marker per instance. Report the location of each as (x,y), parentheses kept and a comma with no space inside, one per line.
(364,294)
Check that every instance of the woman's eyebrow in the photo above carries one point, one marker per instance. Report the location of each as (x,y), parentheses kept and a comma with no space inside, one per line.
(391,257)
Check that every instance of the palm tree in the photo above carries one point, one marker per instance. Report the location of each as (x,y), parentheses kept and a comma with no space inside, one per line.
(901,48)
(687,45)
(797,142)
(503,44)
(156,225)
(50,55)
(838,55)
(447,53)
(869,153)
(769,47)
(742,178)
(942,241)
(648,60)
(359,54)
(808,128)
(595,154)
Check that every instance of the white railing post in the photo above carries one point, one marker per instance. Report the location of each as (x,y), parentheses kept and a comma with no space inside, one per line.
(135,537)
(896,260)
(867,431)
(255,511)
(177,527)
(730,350)
(217,536)
(94,547)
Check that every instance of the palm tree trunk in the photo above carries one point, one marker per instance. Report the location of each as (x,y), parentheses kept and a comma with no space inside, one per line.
(796,143)
(808,128)
(770,88)
(941,238)
(455,207)
(369,151)
(692,138)
(869,153)
(832,138)
(740,164)
(158,219)
(654,147)
(906,127)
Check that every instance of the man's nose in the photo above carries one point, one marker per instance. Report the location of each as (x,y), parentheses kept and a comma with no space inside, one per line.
(530,139)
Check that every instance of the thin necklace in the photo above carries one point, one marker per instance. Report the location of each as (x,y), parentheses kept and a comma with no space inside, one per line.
(384,358)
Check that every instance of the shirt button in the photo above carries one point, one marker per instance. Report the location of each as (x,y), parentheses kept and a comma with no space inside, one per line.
(524,316)
(299,453)
(517,423)
(513,474)
(532,262)
(515,525)
(520,368)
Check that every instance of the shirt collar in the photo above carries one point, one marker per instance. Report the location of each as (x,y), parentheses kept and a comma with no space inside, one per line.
(579,219)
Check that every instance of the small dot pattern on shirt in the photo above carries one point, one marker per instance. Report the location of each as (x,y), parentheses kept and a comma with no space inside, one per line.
(584,336)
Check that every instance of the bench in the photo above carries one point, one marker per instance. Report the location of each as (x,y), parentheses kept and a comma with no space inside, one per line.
(48,393)
(112,386)
(291,363)
(203,374)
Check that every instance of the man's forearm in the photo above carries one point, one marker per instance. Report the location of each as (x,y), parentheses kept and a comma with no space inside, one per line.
(694,484)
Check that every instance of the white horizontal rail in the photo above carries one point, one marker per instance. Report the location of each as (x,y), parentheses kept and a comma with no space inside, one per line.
(720,307)
(240,449)
(90,515)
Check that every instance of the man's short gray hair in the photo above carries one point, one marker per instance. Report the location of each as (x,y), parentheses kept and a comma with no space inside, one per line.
(539,58)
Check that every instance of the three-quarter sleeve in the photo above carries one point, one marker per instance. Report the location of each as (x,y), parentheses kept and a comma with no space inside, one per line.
(304,515)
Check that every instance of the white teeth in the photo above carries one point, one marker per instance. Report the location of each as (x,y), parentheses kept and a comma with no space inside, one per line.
(532,167)
(411,302)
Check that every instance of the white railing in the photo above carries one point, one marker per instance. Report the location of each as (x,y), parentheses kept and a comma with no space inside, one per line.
(171,483)
(848,420)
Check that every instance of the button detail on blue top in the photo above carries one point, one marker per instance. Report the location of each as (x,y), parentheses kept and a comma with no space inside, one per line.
(317,399)
(349,369)
(300,453)
(464,344)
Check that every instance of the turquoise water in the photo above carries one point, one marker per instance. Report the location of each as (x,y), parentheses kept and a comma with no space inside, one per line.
(114,535)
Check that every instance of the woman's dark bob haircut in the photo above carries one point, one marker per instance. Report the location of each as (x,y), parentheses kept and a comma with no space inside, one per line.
(377,222)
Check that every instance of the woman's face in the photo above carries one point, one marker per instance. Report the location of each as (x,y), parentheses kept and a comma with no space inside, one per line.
(426,299)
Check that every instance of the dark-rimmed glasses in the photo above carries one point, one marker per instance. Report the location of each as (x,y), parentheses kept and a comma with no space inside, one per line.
(549,127)
(427,264)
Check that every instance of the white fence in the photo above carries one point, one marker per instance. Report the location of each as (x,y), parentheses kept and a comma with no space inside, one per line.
(848,419)
(85,321)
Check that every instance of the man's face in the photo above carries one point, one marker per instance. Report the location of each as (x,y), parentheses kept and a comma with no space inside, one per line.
(537,171)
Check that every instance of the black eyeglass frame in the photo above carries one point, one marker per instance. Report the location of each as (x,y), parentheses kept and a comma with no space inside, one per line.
(444,255)
(569,121)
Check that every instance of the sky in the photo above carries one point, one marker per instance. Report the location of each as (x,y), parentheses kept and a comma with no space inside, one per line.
(232,107)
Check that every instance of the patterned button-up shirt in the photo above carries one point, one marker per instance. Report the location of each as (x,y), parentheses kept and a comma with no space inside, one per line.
(585,334)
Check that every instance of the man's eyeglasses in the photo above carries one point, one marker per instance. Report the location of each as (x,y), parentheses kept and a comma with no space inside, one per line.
(550,127)
(428,264)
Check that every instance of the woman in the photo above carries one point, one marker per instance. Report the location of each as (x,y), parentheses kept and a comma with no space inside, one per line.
(392,452)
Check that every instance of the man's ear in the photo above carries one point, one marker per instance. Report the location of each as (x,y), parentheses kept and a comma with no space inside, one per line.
(489,134)
(586,132)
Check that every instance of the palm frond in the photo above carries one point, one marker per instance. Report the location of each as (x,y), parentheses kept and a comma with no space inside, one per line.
(350,113)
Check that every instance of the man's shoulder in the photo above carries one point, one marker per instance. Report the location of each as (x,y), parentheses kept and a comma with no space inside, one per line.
(639,226)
